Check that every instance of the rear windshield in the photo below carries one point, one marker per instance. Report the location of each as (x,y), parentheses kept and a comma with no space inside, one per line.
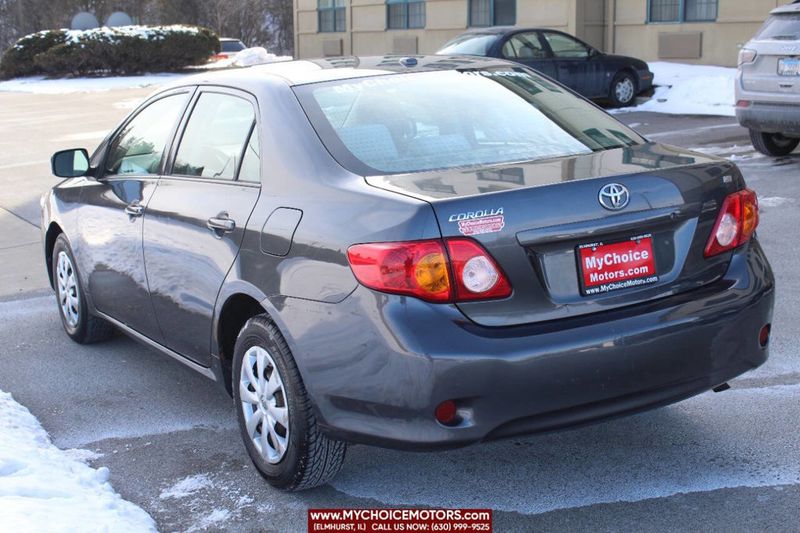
(231,46)
(473,45)
(783,27)
(434,120)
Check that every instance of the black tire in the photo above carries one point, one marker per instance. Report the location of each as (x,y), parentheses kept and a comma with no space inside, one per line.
(619,97)
(773,144)
(311,458)
(87,329)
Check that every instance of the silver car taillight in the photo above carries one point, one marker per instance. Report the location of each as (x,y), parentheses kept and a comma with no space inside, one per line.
(746,55)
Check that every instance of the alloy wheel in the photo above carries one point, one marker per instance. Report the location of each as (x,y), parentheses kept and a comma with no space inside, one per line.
(263,399)
(68,292)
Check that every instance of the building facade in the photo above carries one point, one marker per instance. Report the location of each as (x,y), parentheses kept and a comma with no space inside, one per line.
(693,31)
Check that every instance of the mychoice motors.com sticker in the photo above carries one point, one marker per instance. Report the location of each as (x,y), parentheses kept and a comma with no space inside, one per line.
(479,222)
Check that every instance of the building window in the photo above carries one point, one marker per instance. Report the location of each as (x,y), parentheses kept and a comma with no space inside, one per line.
(682,10)
(331,15)
(700,10)
(405,14)
(492,12)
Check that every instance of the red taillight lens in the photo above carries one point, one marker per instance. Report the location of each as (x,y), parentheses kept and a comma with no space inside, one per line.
(415,268)
(477,276)
(421,269)
(736,223)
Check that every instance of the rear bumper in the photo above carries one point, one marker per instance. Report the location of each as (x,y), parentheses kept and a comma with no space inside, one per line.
(771,117)
(401,357)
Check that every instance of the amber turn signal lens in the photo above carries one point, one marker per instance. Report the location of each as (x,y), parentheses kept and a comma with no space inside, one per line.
(430,273)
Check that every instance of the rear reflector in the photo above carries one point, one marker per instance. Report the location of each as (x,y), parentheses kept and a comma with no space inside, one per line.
(743,103)
(736,223)
(433,270)
(446,412)
(763,336)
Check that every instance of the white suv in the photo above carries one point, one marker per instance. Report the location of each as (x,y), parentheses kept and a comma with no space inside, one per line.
(768,83)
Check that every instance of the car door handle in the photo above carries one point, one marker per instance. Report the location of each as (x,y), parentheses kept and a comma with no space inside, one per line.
(221,223)
(134,209)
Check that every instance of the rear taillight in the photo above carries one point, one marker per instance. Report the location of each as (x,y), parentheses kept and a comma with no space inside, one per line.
(476,274)
(424,270)
(736,223)
(747,56)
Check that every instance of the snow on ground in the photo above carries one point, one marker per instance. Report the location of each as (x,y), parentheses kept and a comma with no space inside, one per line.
(690,90)
(186,487)
(42,85)
(43,488)
(732,153)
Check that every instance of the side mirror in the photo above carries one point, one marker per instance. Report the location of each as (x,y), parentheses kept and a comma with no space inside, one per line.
(70,163)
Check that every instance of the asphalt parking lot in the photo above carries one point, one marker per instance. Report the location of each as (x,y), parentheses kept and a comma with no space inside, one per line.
(718,462)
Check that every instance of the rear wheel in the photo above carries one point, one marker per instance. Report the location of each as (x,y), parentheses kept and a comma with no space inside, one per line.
(623,89)
(275,415)
(773,144)
(80,325)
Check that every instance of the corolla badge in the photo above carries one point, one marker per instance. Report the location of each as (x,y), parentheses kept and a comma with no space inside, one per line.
(614,196)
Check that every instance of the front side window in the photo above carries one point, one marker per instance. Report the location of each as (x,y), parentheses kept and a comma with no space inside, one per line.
(332,16)
(524,46)
(139,146)
(492,12)
(405,14)
(214,139)
(682,10)
(565,46)
(435,120)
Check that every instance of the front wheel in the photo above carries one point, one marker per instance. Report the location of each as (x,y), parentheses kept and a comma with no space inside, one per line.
(275,415)
(623,90)
(773,144)
(80,325)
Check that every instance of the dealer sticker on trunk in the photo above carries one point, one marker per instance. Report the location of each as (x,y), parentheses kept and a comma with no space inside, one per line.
(479,222)
(618,265)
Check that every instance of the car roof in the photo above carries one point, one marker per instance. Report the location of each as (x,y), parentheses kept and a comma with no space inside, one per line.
(504,30)
(227,39)
(307,71)
(794,7)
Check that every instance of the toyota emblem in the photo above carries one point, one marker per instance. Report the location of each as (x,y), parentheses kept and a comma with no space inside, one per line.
(614,196)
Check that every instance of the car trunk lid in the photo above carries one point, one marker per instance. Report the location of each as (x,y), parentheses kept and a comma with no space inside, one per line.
(535,218)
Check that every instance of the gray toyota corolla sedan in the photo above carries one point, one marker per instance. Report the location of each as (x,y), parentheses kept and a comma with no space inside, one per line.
(418,253)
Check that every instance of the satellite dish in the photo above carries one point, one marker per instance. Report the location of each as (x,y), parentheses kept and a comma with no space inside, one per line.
(118,18)
(84,21)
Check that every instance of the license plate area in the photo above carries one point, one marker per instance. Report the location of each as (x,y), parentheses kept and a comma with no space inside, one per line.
(610,266)
(789,66)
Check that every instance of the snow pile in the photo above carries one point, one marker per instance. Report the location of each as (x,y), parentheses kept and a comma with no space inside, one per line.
(248,57)
(42,85)
(683,89)
(43,488)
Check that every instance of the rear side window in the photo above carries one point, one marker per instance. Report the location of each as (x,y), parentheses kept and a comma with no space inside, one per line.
(251,162)
(213,141)
(139,147)
(783,27)
(434,120)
